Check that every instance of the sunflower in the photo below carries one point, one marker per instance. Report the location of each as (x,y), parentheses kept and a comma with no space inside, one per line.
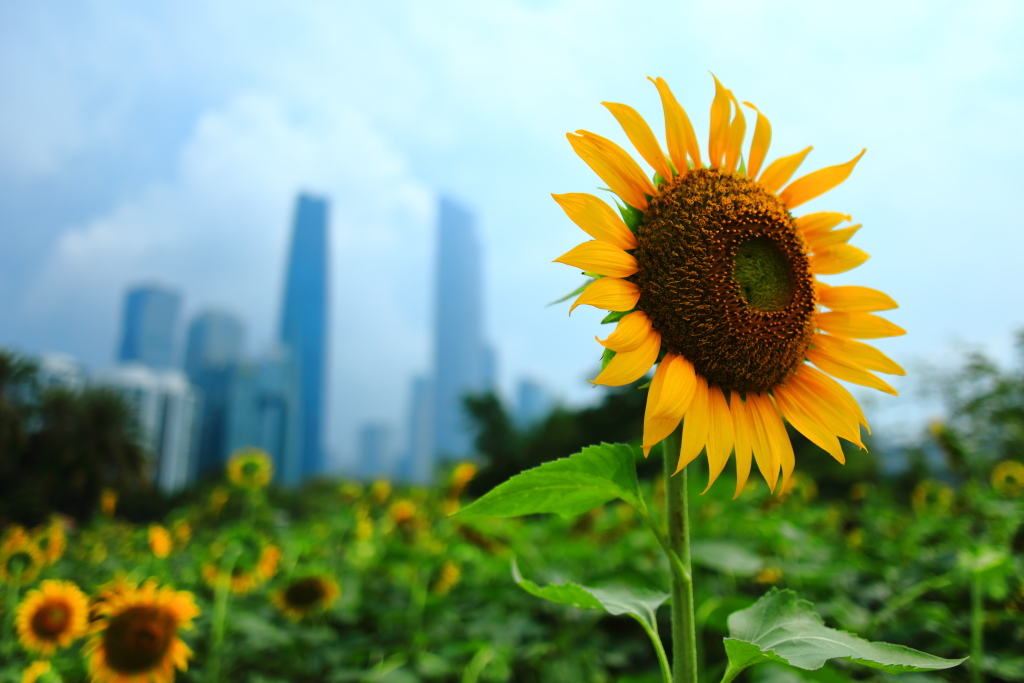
(711,277)
(52,616)
(34,670)
(447,577)
(137,635)
(306,596)
(932,497)
(243,580)
(159,541)
(250,468)
(108,502)
(1008,478)
(20,557)
(52,541)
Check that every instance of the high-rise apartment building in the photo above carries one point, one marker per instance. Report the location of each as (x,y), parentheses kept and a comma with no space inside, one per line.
(460,360)
(376,458)
(149,326)
(215,339)
(304,326)
(417,463)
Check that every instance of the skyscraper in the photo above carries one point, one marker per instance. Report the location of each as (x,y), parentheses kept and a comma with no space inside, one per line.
(304,325)
(212,354)
(150,321)
(375,456)
(417,464)
(459,356)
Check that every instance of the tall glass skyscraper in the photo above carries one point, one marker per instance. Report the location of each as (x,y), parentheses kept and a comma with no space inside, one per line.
(215,339)
(460,360)
(304,325)
(150,321)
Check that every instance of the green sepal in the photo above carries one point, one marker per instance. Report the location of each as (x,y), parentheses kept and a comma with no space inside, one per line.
(567,486)
(616,316)
(632,217)
(743,166)
(645,385)
(779,627)
(606,358)
(659,180)
(575,292)
(642,605)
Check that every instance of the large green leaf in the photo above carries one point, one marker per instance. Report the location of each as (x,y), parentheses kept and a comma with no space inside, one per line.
(727,557)
(780,627)
(568,486)
(642,605)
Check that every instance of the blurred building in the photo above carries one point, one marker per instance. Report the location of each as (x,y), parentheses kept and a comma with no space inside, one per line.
(460,356)
(532,403)
(213,351)
(59,370)
(262,411)
(149,325)
(417,463)
(376,458)
(304,326)
(165,404)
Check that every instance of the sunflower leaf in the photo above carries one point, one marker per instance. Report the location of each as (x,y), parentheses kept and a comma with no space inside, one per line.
(642,605)
(780,627)
(567,487)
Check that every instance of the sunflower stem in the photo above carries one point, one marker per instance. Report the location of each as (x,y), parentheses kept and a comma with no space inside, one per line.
(220,612)
(977,628)
(684,634)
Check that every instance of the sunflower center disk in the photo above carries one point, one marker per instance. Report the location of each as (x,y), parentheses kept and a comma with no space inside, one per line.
(51,620)
(305,593)
(138,638)
(725,279)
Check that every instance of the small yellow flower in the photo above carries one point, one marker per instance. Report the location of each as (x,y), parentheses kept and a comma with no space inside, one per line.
(461,476)
(159,541)
(858,491)
(182,531)
(1008,478)
(403,513)
(250,468)
(218,498)
(448,576)
(136,637)
(380,491)
(350,491)
(931,497)
(306,596)
(269,560)
(769,575)
(108,502)
(52,616)
(34,671)
(52,541)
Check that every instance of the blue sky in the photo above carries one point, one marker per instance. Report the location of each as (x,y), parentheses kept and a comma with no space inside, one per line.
(166,142)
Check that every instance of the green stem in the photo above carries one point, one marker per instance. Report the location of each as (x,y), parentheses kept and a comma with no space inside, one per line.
(977,628)
(12,611)
(659,649)
(220,612)
(684,635)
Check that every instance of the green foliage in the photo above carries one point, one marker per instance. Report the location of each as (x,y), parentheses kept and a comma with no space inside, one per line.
(781,628)
(568,486)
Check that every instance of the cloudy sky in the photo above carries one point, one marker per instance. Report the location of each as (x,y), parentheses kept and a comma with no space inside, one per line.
(166,142)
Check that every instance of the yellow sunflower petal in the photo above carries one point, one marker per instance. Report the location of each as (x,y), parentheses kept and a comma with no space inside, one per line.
(640,134)
(864,355)
(596,218)
(695,424)
(759,145)
(720,434)
(741,429)
(615,166)
(631,332)
(838,258)
(779,439)
(819,222)
(817,183)
(631,365)
(765,451)
(609,294)
(669,396)
(857,325)
(835,415)
(826,238)
(737,131)
(679,133)
(807,425)
(781,170)
(831,392)
(856,299)
(719,135)
(846,369)
(601,258)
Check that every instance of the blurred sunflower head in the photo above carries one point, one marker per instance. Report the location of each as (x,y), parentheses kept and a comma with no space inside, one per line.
(380,491)
(250,468)
(52,616)
(182,531)
(20,557)
(256,563)
(460,477)
(160,541)
(218,498)
(711,278)
(136,638)
(403,513)
(108,502)
(447,577)
(306,596)
(52,541)
(932,497)
(1008,478)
